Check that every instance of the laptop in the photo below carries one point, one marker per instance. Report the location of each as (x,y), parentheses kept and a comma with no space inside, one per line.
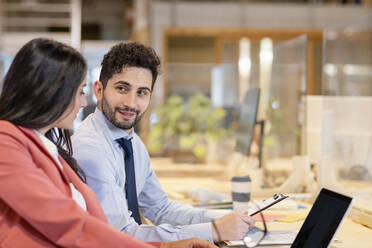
(320,226)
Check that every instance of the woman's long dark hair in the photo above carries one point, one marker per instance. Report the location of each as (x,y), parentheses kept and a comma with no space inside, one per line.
(39,87)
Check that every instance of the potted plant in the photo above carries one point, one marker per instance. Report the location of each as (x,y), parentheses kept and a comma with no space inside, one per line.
(184,129)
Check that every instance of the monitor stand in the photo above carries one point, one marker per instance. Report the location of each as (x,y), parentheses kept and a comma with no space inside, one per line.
(260,150)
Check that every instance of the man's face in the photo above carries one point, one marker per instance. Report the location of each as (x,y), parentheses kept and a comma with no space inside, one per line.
(126,96)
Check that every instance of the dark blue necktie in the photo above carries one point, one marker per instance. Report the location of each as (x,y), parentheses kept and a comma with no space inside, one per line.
(130,178)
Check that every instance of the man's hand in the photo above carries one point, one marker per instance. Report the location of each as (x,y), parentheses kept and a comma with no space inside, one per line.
(232,226)
(188,243)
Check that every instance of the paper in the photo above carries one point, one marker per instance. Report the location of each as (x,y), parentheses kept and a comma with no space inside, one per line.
(280,218)
(292,218)
(267,217)
(271,238)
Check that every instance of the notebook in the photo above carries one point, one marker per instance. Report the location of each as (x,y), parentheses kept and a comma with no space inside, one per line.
(320,226)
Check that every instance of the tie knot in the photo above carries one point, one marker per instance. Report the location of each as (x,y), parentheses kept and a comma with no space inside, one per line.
(126,145)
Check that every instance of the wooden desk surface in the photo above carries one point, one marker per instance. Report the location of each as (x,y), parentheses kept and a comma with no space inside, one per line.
(178,185)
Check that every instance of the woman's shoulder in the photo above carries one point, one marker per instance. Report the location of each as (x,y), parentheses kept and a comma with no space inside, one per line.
(8,127)
(13,131)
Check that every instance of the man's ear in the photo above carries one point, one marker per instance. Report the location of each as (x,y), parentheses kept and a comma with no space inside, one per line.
(98,90)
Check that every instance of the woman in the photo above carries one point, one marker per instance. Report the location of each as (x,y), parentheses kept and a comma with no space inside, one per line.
(43,200)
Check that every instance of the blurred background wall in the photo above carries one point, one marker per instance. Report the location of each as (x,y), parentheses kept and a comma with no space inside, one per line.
(290,49)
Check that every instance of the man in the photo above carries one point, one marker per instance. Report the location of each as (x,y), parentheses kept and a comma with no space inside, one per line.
(117,164)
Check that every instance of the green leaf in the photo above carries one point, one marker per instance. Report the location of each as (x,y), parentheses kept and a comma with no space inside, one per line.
(200,151)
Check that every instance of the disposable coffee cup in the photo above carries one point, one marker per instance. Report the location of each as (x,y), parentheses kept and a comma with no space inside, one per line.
(241,192)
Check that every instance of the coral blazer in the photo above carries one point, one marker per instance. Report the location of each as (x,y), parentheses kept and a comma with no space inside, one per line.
(36,205)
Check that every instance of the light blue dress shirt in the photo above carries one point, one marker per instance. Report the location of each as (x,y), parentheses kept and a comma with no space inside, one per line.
(101,158)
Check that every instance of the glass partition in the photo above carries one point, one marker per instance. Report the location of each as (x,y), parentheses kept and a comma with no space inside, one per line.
(284,110)
(347,59)
(284,106)
(277,68)
(347,102)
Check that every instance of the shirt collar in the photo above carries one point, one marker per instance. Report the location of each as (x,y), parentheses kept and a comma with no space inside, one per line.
(50,146)
(115,132)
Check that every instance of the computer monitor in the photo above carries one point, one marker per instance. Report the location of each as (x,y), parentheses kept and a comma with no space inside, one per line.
(247,121)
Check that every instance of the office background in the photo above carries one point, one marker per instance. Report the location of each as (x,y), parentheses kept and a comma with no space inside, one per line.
(312,61)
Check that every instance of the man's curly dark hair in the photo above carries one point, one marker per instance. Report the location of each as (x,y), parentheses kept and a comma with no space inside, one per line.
(130,54)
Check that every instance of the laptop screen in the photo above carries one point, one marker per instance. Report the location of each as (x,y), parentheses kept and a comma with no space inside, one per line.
(323,220)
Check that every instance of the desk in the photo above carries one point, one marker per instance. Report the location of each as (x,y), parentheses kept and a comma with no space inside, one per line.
(351,234)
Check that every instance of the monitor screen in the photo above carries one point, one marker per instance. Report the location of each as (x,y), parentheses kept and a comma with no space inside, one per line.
(247,121)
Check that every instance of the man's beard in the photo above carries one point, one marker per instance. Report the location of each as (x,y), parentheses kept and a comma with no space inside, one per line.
(110,115)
